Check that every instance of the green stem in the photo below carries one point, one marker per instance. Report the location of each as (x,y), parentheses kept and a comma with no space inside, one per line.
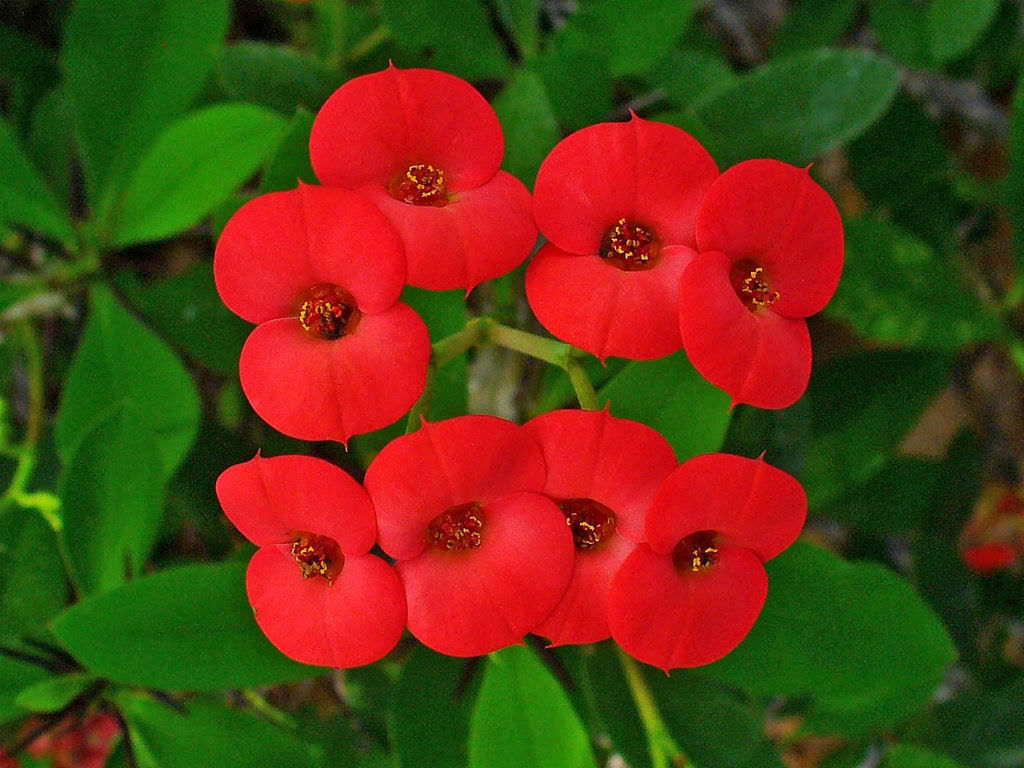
(36,403)
(550,351)
(663,748)
(268,710)
(364,47)
(584,387)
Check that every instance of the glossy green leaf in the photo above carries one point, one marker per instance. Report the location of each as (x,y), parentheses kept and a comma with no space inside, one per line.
(25,198)
(687,75)
(53,693)
(579,84)
(444,312)
(194,166)
(51,141)
(796,108)
(207,734)
(604,683)
(430,711)
(523,717)
(910,756)
(131,67)
(32,585)
(896,288)
(188,628)
(983,728)
(26,60)
(118,361)
(528,119)
(902,29)
(954,26)
(522,18)
(429,27)
(15,676)
(670,396)
(833,628)
(113,492)
(812,24)
(290,163)
(275,76)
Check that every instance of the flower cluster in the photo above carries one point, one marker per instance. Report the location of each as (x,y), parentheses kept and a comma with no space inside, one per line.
(72,743)
(576,526)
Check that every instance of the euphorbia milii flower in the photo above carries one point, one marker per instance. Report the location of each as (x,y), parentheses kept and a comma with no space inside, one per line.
(335,353)
(771,252)
(603,473)
(617,203)
(693,592)
(317,593)
(484,556)
(426,147)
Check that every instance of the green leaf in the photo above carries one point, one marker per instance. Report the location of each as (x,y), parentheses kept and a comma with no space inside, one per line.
(687,75)
(523,717)
(798,107)
(604,683)
(187,310)
(812,24)
(275,76)
(25,199)
(429,722)
(113,492)
(580,88)
(188,628)
(194,166)
(53,693)
(430,29)
(51,142)
(207,733)
(670,396)
(910,756)
(954,26)
(983,728)
(444,312)
(32,583)
(131,67)
(902,28)
(528,119)
(290,163)
(1015,178)
(120,361)
(896,288)
(522,17)
(15,676)
(836,629)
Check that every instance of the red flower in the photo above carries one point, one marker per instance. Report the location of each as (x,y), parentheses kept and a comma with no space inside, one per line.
(335,354)
(425,146)
(771,251)
(617,203)
(603,473)
(993,538)
(693,592)
(317,594)
(483,555)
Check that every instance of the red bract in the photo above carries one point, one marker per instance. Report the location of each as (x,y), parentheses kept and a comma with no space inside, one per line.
(320,270)
(617,203)
(693,592)
(425,147)
(603,473)
(483,555)
(771,252)
(317,594)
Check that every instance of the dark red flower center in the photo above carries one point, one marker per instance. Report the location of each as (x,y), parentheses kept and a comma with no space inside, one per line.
(751,284)
(328,311)
(630,246)
(591,522)
(317,556)
(420,184)
(697,552)
(457,528)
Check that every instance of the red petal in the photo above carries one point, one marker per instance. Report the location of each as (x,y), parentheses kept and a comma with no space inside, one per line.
(279,245)
(357,619)
(476,601)
(988,558)
(594,455)
(581,616)
(418,476)
(748,502)
(651,173)
(673,619)
(375,126)
(313,389)
(268,500)
(604,310)
(757,357)
(481,234)
(775,215)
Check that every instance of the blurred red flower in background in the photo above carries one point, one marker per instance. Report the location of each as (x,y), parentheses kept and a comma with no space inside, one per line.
(617,203)
(693,592)
(603,473)
(771,252)
(72,742)
(484,556)
(317,593)
(335,353)
(426,148)
(993,538)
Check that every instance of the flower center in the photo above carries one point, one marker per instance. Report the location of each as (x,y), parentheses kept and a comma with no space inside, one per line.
(421,184)
(751,285)
(696,552)
(630,246)
(590,521)
(317,556)
(457,528)
(328,312)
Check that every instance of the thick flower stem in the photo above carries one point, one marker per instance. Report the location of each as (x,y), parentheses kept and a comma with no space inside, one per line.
(550,351)
(664,751)
(582,385)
